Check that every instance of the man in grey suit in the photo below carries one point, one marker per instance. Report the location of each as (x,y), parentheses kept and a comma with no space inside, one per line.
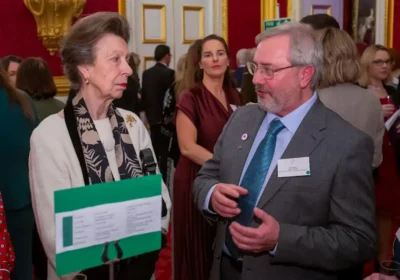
(290,184)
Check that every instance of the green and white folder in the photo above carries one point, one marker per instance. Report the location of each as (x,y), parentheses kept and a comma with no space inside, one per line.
(128,211)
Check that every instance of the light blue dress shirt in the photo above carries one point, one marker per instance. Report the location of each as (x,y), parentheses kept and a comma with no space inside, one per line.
(292,122)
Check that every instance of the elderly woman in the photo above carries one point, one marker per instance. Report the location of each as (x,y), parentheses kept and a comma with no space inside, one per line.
(94,54)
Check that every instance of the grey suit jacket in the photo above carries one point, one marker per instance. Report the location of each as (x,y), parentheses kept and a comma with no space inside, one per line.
(361,108)
(326,219)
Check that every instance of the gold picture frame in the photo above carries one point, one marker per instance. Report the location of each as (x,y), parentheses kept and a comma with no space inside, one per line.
(198,9)
(163,24)
(147,59)
(388,25)
(328,9)
(289,8)
(268,11)
(122,7)
(225,20)
(62,84)
(389,21)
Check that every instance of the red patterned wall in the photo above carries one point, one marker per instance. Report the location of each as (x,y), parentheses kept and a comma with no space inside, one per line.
(18,30)
(244,23)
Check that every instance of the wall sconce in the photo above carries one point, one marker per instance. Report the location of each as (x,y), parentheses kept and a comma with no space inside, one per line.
(53,19)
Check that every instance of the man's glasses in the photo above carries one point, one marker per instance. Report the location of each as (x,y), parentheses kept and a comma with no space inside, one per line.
(265,70)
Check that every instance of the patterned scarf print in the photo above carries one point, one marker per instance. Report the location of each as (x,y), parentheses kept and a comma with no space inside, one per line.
(97,164)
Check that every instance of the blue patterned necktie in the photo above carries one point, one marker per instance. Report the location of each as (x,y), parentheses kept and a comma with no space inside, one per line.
(253,180)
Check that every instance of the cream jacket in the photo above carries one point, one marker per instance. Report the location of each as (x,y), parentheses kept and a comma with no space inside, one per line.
(53,165)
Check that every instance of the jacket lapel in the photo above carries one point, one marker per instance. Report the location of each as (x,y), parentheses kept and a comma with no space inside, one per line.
(305,140)
(250,128)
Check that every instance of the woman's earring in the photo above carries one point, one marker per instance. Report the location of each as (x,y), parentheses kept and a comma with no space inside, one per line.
(86,81)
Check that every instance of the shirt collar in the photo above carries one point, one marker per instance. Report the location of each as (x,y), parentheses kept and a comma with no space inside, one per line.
(293,120)
(163,64)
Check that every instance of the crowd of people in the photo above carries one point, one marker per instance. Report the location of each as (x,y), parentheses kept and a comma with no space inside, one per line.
(288,168)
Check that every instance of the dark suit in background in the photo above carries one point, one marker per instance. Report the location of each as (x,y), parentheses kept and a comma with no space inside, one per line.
(155,83)
(129,99)
(248,91)
(238,76)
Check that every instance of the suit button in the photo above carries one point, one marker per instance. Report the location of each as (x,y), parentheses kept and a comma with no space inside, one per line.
(218,257)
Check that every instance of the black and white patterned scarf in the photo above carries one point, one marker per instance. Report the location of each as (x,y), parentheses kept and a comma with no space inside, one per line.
(94,154)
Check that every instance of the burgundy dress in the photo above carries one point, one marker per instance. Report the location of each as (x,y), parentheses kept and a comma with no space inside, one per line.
(387,190)
(192,235)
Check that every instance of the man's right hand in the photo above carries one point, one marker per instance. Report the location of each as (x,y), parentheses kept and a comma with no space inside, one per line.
(223,199)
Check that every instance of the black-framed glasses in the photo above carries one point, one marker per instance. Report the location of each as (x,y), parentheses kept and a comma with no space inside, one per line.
(381,62)
(265,70)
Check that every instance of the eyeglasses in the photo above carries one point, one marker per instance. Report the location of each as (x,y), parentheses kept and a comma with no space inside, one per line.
(381,62)
(265,70)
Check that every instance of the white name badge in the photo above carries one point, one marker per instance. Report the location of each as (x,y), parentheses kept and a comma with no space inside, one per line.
(292,167)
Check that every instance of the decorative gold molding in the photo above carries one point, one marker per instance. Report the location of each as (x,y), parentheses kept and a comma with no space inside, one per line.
(289,8)
(356,3)
(63,85)
(268,11)
(53,19)
(327,7)
(163,24)
(389,20)
(198,9)
(147,59)
(122,7)
(225,25)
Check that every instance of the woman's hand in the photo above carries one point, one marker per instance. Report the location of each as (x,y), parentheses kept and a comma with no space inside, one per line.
(388,110)
(378,276)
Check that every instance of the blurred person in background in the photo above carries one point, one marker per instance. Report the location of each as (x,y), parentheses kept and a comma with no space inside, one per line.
(248,91)
(170,154)
(10,64)
(338,91)
(130,97)
(395,73)
(320,21)
(155,83)
(34,78)
(375,70)
(17,121)
(241,59)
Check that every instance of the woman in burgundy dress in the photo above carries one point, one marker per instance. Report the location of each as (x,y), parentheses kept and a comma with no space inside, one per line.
(202,112)
(376,64)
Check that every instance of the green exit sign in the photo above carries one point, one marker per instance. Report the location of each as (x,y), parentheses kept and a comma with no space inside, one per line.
(275,22)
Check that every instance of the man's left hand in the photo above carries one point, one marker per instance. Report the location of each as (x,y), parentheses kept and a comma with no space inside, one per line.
(263,238)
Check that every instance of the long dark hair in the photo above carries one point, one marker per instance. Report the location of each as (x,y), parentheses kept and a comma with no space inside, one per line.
(34,77)
(228,82)
(14,96)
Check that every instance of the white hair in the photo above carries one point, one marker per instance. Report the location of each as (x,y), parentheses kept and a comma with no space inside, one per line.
(241,56)
(305,49)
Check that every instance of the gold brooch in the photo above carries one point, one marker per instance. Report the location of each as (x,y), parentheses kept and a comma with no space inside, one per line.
(130,120)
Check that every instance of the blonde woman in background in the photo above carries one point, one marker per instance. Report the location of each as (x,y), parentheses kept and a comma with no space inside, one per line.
(338,92)
(376,63)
